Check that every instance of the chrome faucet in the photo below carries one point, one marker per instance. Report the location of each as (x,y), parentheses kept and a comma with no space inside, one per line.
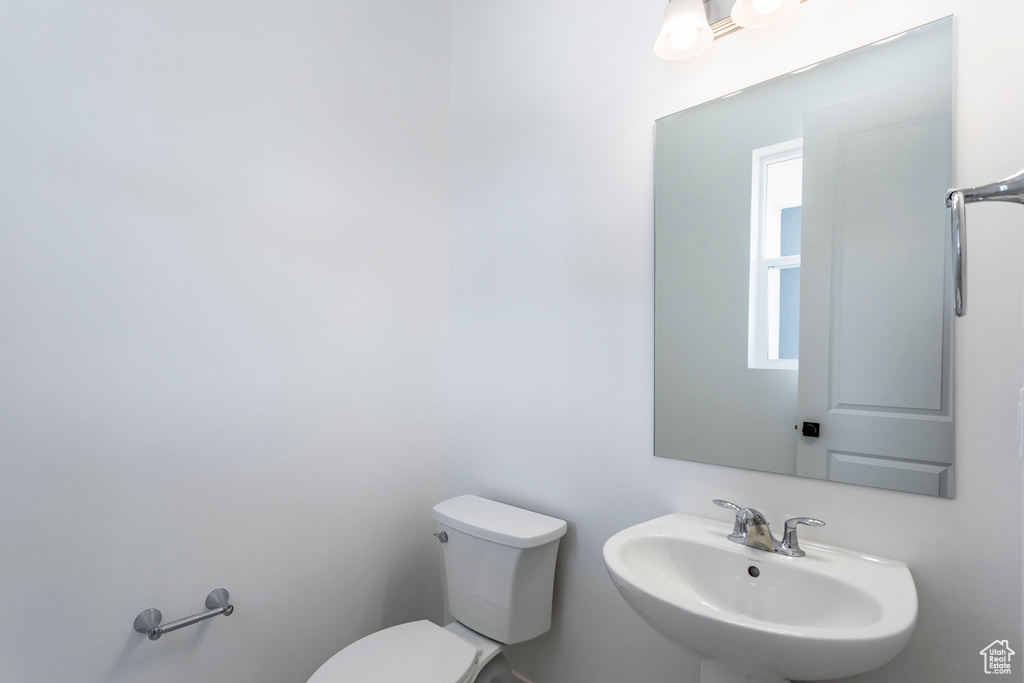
(758,534)
(751,529)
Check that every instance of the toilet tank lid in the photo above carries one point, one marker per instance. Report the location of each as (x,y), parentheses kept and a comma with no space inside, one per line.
(498,522)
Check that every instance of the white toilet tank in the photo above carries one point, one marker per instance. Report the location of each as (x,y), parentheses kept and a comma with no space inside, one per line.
(500,564)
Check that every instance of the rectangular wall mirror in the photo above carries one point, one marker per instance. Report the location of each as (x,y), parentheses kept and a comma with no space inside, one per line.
(803,317)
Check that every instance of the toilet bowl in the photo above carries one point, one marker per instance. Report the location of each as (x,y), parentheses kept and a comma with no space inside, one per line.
(500,569)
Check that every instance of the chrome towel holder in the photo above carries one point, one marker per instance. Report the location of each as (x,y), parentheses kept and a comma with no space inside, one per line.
(148,620)
(1007,190)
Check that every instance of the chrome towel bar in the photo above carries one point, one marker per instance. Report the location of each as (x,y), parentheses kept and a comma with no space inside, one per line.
(148,620)
(1007,190)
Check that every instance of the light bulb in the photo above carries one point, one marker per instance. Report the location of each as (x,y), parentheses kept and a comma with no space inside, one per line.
(683,36)
(766,6)
(684,30)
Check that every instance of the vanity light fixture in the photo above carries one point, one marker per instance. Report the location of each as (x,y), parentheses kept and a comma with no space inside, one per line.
(688,27)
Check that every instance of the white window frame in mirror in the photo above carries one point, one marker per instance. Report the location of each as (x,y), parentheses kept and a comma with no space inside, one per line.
(765,211)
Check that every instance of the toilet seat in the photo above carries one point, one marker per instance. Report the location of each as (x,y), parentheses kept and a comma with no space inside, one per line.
(419,651)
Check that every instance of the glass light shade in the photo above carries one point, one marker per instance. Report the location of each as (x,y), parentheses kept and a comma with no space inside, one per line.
(684,30)
(751,13)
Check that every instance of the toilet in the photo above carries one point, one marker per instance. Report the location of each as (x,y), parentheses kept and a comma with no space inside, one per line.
(500,568)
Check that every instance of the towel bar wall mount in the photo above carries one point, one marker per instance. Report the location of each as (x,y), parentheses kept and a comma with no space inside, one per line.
(1007,190)
(148,621)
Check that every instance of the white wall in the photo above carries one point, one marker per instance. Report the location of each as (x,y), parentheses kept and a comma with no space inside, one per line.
(223,310)
(550,349)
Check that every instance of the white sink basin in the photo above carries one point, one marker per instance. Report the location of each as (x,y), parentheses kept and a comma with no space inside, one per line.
(831,614)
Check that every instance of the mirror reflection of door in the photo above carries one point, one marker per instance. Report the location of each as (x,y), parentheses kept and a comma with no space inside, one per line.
(875,316)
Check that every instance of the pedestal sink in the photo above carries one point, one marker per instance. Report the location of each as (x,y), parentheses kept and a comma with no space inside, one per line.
(752,615)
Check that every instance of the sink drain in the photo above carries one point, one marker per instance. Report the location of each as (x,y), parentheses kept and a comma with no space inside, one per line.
(754,571)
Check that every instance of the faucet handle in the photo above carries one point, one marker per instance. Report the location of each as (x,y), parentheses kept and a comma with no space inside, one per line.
(790,545)
(739,527)
(809,521)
